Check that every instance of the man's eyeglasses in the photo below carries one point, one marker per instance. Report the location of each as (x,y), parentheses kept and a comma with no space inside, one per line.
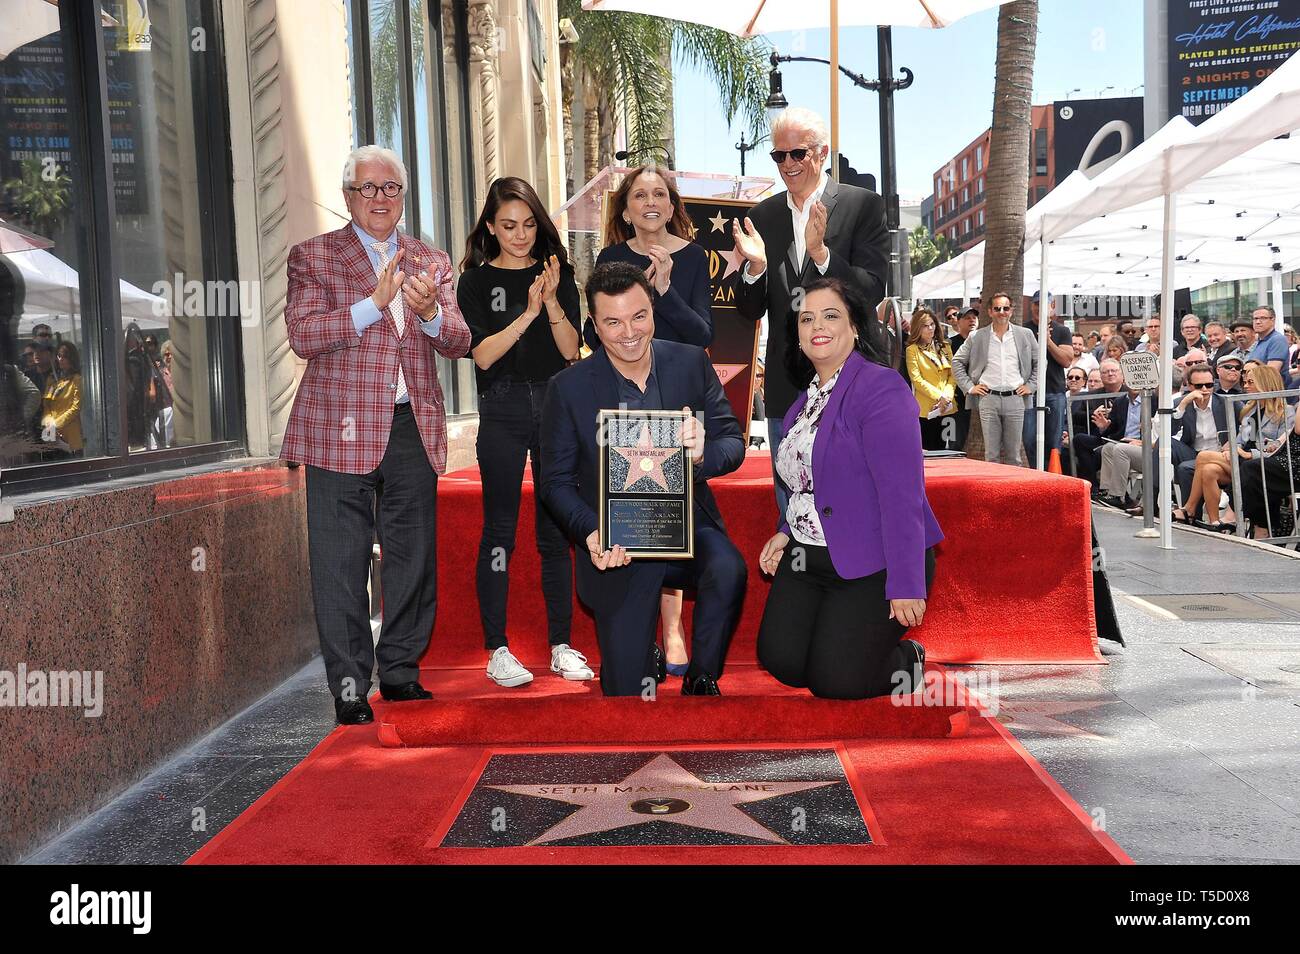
(798,155)
(369,190)
(1229,367)
(1075,377)
(1207,386)
(999,308)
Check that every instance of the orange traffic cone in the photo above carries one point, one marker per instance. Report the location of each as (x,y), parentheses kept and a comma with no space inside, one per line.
(1054,462)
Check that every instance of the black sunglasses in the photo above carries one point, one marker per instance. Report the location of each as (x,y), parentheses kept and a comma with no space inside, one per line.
(1075,377)
(798,155)
(1207,386)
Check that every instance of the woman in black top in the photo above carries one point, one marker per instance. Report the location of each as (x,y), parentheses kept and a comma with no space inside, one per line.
(647,226)
(520,301)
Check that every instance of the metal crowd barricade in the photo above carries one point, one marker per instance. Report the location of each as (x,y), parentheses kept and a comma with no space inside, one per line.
(1292,496)
(1071,399)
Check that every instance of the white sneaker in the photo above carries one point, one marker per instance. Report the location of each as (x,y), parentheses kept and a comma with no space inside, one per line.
(505,670)
(570,663)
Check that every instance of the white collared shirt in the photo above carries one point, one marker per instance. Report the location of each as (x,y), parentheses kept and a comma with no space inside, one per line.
(1002,372)
(799,220)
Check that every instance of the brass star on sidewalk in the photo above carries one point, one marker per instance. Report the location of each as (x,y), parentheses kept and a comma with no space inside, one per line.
(645,460)
(660,791)
(719,223)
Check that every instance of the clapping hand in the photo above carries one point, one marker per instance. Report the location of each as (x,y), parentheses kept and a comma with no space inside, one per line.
(550,280)
(536,295)
(420,292)
(750,244)
(660,269)
(815,232)
(390,280)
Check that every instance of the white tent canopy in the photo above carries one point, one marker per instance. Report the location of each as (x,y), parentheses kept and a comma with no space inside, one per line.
(52,295)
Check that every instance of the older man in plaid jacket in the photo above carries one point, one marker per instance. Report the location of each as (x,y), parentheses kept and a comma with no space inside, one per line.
(369,309)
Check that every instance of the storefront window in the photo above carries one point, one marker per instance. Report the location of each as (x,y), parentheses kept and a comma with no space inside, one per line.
(50,408)
(113,307)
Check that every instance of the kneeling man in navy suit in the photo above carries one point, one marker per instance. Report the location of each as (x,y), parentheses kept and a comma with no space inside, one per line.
(635,372)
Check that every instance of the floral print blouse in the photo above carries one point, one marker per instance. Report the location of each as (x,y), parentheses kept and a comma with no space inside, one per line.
(794,464)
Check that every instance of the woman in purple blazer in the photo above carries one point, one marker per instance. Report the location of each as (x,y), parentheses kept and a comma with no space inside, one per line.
(861,563)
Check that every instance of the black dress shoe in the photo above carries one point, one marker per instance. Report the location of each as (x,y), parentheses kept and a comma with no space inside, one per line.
(913,666)
(661,665)
(353,712)
(404,692)
(704,685)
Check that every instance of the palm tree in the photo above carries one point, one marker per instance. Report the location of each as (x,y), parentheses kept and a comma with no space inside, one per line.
(928,250)
(39,196)
(624,62)
(1008,170)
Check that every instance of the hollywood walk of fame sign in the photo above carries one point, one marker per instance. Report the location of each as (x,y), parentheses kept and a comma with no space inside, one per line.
(646,484)
(790,796)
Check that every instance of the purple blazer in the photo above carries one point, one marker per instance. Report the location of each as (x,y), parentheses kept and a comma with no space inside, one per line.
(869,479)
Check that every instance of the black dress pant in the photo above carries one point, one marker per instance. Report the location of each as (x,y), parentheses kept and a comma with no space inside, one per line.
(625,628)
(510,417)
(941,433)
(1087,452)
(831,635)
(1264,509)
(342,509)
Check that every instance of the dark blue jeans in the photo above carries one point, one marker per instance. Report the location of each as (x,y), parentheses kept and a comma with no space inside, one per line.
(509,428)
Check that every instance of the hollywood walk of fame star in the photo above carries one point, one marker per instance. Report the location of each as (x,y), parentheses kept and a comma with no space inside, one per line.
(645,460)
(709,806)
(719,223)
(1038,716)
(726,372)
(735,261)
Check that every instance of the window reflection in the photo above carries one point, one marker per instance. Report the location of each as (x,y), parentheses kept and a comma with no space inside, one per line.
(47,411)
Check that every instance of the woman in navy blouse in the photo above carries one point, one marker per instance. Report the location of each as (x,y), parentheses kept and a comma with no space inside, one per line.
(647,226)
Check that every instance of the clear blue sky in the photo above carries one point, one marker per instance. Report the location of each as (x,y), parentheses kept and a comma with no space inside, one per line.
(1083,46)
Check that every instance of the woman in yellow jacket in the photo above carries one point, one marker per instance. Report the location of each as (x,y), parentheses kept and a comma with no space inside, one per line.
(62,408)
(929,366)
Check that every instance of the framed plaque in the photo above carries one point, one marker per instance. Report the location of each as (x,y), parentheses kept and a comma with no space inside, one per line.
(646,484)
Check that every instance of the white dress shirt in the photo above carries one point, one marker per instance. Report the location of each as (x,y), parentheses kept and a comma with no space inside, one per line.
(1002,373)
(799,220)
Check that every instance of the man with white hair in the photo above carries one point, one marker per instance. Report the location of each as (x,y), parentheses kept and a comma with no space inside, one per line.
(817,227)
(370,309)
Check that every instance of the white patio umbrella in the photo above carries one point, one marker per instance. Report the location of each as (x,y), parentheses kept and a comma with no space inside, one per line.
(757,17)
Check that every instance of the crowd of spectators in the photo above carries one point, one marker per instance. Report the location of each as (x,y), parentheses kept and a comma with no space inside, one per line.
(1211,361)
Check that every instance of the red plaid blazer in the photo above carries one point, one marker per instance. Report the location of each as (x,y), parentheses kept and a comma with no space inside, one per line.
(343,410)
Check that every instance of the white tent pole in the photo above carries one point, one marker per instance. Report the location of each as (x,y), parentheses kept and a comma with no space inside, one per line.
(1166,372)
(835,93)
(1044,329)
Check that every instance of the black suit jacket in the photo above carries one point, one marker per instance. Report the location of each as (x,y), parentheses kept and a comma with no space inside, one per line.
(1184,428)
(859,247)
(571,467)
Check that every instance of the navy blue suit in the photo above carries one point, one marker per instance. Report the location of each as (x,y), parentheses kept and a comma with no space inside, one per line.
(625,600)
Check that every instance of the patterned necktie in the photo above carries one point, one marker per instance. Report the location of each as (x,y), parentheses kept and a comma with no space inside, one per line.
(398,310)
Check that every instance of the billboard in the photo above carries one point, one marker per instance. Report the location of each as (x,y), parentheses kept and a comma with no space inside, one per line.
(1220,51)
(1090,134)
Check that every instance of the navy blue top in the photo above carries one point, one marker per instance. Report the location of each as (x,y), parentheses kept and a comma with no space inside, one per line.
(685,313)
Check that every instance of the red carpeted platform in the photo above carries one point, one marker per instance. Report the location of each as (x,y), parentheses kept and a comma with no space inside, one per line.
(468,709)
(974,799)
(1013,581)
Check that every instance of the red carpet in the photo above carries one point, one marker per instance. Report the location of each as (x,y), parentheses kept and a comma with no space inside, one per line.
(1013,582)
(468,709)
(978,799)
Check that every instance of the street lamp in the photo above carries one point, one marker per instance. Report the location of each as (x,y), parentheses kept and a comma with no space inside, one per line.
(745,147)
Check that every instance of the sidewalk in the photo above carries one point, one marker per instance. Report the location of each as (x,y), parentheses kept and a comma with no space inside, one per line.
(1186,748)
